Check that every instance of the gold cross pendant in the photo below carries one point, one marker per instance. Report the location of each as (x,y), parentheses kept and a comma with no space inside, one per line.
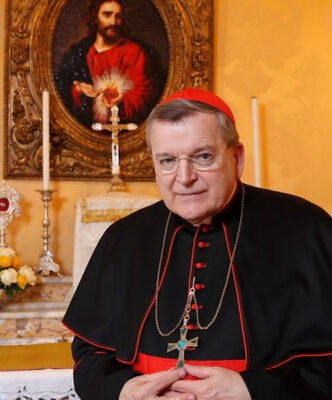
(181,345)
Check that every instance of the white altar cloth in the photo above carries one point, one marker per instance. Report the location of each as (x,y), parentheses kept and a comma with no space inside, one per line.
(45,384)
(93,216)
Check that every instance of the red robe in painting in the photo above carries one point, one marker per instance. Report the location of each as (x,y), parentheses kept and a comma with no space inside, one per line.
(123,69)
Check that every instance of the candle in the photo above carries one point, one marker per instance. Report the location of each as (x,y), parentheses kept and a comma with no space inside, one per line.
(115,141)
(46,140)
(256,144)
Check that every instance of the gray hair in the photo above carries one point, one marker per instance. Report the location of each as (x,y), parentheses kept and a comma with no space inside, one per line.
(176,110)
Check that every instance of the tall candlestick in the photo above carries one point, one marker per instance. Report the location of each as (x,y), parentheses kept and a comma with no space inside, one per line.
(256,143)
(46,264)
(46,140)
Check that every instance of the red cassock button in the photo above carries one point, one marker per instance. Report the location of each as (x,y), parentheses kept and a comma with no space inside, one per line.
(193,306)
(204,228)
(199,286)
(202,244)
(201,265)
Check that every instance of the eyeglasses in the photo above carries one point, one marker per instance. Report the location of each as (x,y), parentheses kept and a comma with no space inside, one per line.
(199,162)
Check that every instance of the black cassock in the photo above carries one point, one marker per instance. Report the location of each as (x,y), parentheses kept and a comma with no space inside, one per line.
(274,326)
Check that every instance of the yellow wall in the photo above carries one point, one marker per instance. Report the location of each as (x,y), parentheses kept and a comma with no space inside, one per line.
(277,50)
(280,51)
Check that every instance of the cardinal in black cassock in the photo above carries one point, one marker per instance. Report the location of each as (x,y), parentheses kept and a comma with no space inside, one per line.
(271,254)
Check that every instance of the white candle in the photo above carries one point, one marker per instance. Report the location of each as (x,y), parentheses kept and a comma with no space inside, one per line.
(115,141)
(256,143)
(46,140)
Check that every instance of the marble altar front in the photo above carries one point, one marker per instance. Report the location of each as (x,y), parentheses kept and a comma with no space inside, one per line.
(28,321)
(34,316)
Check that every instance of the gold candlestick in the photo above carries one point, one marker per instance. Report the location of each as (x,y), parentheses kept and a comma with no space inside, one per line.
(46,264)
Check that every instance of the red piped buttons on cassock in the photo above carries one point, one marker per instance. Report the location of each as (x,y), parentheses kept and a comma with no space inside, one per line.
(193,306)
(199,286)
(200,265)
(204,228)
(202,244)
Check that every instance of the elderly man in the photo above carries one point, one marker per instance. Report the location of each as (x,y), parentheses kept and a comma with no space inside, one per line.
(220,291)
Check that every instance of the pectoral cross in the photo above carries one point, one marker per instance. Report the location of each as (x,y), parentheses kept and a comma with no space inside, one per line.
(116,182)
(181,345)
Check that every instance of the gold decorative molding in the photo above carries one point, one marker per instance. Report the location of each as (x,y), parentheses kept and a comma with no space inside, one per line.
(77,152)
(104,215)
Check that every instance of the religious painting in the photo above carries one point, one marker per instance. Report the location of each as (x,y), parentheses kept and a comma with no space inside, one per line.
(91,55)
(135,65)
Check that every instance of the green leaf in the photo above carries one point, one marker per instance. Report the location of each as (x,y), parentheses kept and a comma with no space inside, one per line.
(15,287)
(9,292)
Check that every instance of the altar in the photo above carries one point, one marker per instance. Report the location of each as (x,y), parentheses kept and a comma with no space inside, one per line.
(35,356)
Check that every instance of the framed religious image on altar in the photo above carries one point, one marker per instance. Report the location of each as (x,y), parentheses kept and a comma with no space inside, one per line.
(86,62)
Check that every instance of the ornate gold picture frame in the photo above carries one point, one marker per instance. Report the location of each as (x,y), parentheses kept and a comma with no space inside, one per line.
(39,33)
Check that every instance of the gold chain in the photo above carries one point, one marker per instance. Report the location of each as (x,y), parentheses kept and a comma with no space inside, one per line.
(192,294)
(157,287)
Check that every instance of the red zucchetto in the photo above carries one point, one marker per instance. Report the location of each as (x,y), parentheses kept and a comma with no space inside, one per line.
(204,97)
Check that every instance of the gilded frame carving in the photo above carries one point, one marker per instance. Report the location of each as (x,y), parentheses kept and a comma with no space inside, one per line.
(76,151)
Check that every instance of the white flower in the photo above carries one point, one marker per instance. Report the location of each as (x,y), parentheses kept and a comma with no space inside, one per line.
(29,274)
(8,276)
(7,251)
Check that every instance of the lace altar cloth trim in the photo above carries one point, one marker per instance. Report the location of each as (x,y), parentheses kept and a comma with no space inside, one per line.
(48,384)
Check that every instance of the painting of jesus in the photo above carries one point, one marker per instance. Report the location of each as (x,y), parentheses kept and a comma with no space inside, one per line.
(109,65)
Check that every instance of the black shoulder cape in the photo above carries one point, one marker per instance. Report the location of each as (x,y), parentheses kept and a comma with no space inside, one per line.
(283,269)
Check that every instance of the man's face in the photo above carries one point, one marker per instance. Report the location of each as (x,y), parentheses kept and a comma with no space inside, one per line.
(195,195)
(109,19)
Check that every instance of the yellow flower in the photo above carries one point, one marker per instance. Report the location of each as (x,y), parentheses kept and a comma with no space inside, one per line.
(16,261)
(22,281)
(5,262)
(28,272)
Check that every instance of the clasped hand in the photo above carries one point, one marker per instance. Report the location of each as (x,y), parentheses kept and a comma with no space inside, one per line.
(211,383)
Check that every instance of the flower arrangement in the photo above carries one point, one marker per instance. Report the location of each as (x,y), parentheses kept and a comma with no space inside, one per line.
(13,276)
